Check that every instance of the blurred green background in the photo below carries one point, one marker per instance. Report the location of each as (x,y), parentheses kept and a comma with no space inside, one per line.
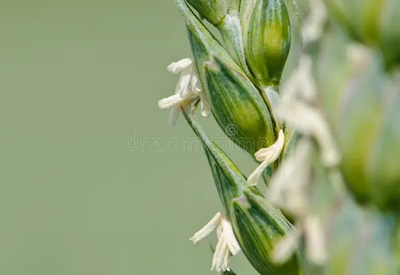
(83,190)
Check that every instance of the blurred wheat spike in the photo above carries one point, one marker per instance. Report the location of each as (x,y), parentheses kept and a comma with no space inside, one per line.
(326,138)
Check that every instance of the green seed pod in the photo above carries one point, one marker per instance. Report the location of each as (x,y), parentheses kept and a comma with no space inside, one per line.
(361,18)
(356,135)
(231,32)
(229,181)
(291,140)
(235,102)
(372,22)
(238,107)
(224,15)
(212,10)
(361,242)
(384,165)
(266,38)
(353,138)
(257,225)
(234,4)
(362,103)
(365,16)
(390,32)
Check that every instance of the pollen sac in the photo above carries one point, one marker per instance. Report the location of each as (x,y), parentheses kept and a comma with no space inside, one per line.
(235,102)
(257,225)
(266,35)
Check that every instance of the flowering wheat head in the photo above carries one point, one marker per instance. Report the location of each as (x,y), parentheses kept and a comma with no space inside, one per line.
(326,139)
